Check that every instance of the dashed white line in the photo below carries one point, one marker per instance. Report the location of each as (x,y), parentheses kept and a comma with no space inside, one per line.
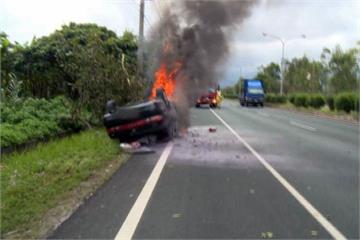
(300,125)
(330,228)
(132,220)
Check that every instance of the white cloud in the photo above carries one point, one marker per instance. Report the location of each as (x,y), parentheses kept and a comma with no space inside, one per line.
(21,20)
(326,23)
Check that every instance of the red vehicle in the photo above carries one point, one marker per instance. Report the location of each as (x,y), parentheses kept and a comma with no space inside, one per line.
(209,99)
(129,123)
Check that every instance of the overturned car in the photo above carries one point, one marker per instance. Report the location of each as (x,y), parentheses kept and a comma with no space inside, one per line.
(129,123)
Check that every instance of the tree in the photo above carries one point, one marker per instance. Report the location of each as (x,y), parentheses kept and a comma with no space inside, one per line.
(342,68)
(303,75)
(270,74)
(10,56)
(41,65)
(85,62)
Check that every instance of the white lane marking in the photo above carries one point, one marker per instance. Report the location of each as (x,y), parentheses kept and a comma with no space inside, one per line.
(132,220)
(332,230)
(263,114)
(300,125)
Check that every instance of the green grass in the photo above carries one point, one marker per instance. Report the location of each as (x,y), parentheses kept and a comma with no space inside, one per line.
(325,110)
(35,181)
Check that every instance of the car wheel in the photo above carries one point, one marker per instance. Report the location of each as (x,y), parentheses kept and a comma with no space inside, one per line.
(169,133)
(197,105)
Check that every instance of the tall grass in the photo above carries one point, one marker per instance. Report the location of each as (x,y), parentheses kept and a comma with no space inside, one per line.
(34,181)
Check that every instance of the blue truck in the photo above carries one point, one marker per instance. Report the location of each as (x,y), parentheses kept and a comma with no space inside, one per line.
(252,93)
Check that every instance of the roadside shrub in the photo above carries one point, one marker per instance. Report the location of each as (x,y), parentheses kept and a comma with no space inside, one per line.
(301,100)
(270,97)
(35,119)
(282,99)
(345,102)
(357,99)
(274,98)
(316,101)
(230,96)
(292,98)
(330,102)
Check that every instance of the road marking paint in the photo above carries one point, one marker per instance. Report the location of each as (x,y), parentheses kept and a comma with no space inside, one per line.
(132,220)
(300,125)
(263,114)
(330,228)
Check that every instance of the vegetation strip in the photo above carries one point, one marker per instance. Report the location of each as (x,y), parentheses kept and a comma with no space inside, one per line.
(47,183)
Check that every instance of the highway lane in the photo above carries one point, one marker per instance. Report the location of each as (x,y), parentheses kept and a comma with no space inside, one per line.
(322,164)
(212,187)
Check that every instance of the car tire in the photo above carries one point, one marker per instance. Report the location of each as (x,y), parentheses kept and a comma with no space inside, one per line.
(197,105)
(169,133)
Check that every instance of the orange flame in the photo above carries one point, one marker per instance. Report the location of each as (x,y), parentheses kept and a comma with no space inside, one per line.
(165,79)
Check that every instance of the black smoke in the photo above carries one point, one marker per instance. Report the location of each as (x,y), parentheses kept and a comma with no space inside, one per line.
(197,34)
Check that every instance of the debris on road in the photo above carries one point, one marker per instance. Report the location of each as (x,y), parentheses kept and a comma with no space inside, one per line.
(135,147)
(176,215)
(313,233)
(267,235)
(212,129)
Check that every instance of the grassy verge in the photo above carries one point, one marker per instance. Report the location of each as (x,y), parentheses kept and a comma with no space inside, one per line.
(38,186)
(322,112)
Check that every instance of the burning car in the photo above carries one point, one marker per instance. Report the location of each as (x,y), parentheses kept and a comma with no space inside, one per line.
(132,122)
(212,98)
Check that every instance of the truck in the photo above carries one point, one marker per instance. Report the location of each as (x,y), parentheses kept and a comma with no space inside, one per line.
(252,92)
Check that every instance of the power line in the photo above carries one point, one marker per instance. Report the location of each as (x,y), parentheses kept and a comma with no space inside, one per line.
(145,17)
(158,12)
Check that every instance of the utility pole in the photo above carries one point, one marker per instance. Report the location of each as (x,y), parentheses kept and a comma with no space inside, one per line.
(282,64)
(282,72)
(141,40)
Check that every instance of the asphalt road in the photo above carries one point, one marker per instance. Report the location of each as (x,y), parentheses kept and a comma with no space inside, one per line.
(212,185)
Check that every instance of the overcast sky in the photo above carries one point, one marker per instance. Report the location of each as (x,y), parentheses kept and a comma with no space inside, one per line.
(324,22)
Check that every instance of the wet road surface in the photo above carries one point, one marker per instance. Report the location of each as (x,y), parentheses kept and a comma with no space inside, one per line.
(212,186)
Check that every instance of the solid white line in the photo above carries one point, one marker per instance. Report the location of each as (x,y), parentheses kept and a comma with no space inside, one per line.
(132,220)
(332,230)
(300,125)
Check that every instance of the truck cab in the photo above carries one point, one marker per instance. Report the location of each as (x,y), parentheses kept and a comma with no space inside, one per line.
(252,93)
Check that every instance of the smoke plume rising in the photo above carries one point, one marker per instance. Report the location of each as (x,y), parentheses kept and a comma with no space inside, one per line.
(195,34)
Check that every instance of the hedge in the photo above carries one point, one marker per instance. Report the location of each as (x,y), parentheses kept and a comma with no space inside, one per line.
(292,98)
(35,119)
(316,101)
(357,103)
(274,98)
(330,102)
(346,102)
(301,100)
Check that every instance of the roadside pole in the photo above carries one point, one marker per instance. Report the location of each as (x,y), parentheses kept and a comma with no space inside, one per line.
(141,41)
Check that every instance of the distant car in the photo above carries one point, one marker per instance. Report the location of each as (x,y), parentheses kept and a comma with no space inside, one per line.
(130,123)
(252,92)
(212,98)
